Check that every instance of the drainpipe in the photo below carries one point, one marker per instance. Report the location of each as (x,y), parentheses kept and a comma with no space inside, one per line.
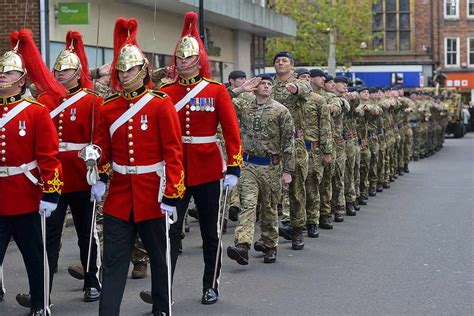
(44,30)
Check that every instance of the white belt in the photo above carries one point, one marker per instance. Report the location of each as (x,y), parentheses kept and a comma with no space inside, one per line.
(199,139)
(71,146)
(24,168)
(158,167)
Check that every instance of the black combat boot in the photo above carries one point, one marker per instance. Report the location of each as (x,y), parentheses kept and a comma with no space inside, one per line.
(239,253)
(234,213)
(372,191)
(285,231)
(386,185)
(356,205)
(325,222)
(259,246)
(338,217)
(350,211)
(270,255)
(297,239)
(362,200)
(405,169)
(379,187)
(313,231)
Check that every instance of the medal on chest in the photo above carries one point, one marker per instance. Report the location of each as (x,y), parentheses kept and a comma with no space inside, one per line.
(73,113)
(22,128)
(144,122)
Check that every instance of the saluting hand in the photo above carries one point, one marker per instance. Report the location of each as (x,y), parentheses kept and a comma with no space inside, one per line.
(292,88)
(248,86)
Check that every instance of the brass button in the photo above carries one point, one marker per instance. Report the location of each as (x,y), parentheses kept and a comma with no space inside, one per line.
(130,128)
(130,120)
(188,88)
(60,134)
(60,121)
(187,112)
(64,99)
(187,125)
(187,106)
(131,151)
(61,115)
(2,137)
(3,129)
(3,151)
(5,108)
(130,135)
(4,159)
(130,144)
(187,132)
(60,140)
(3,143)
(188,119)
(132,159)
(60,127)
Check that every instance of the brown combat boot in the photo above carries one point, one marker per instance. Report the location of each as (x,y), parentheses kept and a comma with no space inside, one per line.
(297,239)
(270,255)
(139,270)
(239,253)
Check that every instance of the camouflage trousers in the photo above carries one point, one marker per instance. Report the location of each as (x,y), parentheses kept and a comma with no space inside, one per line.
(424,138)
(374,161)
(349,173)
(338,198)
(364,162)
(357,172)
(395,152)
(234,197)
(381,162)
(389,158)
(285,204)
(401,148)
(408,145)
(416,139)
(325,189)
(297,190)
(258,184)
(313,186)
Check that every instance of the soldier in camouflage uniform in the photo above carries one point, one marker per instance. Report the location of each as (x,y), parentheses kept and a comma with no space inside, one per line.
(352,151)
(293,93)
(387,141)
(364,111)
(415,125)
(266,129)
(324,86)
(319,144)
(407,107)
(338,111)
(376,138)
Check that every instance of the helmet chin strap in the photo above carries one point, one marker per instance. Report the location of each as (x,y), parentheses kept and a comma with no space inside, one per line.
(74,76)
(11,84)
(181,69)
(134,79)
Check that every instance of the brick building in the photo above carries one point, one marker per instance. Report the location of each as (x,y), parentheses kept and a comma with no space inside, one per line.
(12,13)
(413,38)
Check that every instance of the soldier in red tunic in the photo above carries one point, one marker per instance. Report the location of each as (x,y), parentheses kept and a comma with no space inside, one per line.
(30,172)
(202,104)
(73,117)
(139,134)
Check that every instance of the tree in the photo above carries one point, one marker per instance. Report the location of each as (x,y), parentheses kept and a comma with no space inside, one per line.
(349,20)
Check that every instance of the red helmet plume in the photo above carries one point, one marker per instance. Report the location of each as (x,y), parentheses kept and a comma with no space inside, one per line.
(38,73)
(75,42)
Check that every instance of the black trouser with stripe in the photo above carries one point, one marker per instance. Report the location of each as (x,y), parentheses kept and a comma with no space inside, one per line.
(206,196)
(119,238)
(81,210)
(26,231)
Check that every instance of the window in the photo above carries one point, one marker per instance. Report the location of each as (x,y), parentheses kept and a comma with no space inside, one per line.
(451,9)
(470,9)
(451,51)
(391,25)
(258,55)
(470,51)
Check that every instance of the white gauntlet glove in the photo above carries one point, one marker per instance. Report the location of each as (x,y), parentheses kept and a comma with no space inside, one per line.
(230,181)
(98,191)
(46,208)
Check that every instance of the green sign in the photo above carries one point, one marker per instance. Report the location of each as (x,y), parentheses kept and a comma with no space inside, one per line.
(73,13)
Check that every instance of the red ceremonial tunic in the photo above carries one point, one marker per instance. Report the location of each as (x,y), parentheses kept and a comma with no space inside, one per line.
(73,125)
(152,135)
(203,162)
(29,136)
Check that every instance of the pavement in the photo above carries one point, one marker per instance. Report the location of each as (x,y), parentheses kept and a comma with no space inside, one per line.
(410,251)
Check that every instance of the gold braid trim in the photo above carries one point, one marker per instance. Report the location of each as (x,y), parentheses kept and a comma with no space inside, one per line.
(179,187)
(55,184)
(237,159)
(105,168)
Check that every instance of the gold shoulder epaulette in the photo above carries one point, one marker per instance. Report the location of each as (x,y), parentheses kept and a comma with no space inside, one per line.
(112,97)
(34,102)
(91,92)
(158,94)
(212,81)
